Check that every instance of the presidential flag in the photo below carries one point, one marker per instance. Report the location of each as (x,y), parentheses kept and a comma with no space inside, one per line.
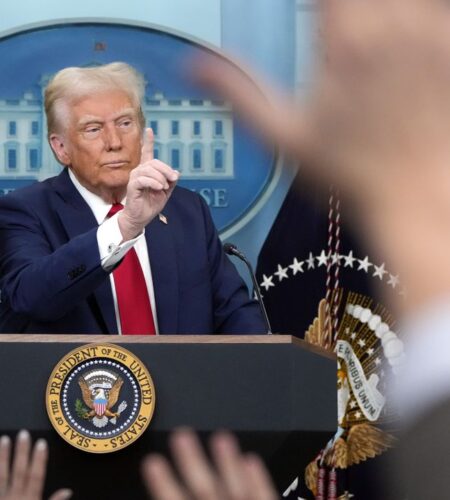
(319,278)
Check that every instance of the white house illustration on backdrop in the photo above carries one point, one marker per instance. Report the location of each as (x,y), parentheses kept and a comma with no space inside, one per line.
(194,136)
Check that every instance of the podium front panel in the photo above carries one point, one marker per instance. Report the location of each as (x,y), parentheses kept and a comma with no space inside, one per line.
(278,396)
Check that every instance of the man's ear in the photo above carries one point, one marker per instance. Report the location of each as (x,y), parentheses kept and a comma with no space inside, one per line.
(58,145)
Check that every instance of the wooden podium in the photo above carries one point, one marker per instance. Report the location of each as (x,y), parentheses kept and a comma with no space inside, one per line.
(276,392)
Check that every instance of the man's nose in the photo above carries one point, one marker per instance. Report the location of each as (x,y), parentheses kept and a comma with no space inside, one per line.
(112,138)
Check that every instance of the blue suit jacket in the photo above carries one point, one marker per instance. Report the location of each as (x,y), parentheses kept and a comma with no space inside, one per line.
(51,279)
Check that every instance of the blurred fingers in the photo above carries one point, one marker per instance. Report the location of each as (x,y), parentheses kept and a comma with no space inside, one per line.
(37,471)
(231,83)
(5,453)
(160,479)
(273,115)
(63,494)
(260,485)
(230,464)
(20,462)
(194,466)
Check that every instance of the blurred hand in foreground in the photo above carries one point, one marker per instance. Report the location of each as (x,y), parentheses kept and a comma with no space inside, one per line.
(235,476)
(375,124)
(24,479)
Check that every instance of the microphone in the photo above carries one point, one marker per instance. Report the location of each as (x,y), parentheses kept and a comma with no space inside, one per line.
(231,249)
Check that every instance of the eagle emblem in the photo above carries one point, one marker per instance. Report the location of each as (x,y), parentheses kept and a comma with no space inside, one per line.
(366,346)
(100,391)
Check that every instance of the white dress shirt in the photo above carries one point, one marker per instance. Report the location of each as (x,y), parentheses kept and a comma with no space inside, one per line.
(111,247)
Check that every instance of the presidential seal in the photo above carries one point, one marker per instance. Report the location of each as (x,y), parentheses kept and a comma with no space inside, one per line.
(100,398)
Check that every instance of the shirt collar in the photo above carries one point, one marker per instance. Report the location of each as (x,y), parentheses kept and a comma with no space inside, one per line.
(98,206)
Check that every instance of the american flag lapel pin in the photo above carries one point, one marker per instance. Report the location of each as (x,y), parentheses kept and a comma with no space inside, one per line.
(163,219)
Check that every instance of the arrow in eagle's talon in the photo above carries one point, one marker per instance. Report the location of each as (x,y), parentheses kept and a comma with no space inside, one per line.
(123,406)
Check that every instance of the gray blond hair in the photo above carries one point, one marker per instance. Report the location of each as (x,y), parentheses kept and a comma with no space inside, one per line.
(73,83)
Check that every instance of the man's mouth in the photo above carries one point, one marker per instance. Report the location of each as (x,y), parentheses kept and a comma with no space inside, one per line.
(115,164)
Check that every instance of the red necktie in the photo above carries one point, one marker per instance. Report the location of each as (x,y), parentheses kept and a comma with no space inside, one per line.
(136,316)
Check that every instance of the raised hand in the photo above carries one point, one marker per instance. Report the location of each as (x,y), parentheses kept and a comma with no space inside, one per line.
(375,124)
(235,475)
(25,478)
(382,63)
(149,188)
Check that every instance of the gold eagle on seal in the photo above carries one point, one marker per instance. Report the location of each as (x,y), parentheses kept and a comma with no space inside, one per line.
(363,337)
(100,390)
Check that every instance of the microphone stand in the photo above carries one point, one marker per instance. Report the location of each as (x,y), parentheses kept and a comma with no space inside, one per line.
(231,249)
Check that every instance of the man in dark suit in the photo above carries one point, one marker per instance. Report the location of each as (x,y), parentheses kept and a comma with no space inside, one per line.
(111,245)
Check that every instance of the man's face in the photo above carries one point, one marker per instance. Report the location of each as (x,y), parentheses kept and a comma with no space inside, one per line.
(101,143)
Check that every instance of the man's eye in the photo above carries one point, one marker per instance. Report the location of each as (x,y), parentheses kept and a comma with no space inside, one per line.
(126,124)
(92,130)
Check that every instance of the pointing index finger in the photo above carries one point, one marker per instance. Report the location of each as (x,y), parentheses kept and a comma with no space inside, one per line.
(147,147)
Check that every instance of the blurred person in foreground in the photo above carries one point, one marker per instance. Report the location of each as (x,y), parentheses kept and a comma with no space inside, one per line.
(376,124)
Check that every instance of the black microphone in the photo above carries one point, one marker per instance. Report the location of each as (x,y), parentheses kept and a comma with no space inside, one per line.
(231,249)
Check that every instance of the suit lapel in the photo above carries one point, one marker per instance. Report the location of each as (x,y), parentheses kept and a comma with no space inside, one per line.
(164,265)
(77,218)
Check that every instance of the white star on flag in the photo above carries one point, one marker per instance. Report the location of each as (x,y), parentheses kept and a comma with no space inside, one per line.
(361,343)
(281,273)
(370,351)
(310,261)
(296,266)
(364,264)
(380,271)
(353,336)
(378,361)
(267,282)
(393,281)
(349,259)
(358,414)
(335,258)
(322,259)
